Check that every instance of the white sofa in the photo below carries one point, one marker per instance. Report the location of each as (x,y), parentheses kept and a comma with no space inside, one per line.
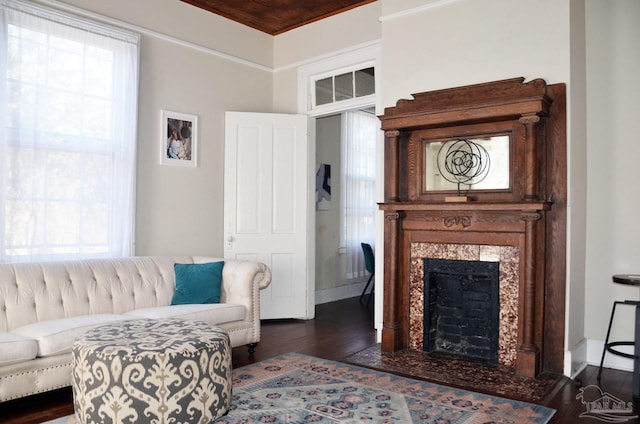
(44,306)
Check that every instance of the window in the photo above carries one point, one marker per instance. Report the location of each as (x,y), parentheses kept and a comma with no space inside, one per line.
(345,86)
(68,111)
(358,190)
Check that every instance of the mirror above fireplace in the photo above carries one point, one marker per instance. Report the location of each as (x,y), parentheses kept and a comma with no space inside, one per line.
(471,163)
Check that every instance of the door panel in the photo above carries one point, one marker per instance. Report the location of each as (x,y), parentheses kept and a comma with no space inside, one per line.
(266,205)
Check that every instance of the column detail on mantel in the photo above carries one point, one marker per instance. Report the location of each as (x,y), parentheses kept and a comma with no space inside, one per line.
(531,152)
(528,362)
(514,216)
(393,328)
(391,153)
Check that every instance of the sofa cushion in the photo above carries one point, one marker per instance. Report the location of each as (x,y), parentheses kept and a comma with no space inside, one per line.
(214,314)
(16,348)
(56,336)
(197,283)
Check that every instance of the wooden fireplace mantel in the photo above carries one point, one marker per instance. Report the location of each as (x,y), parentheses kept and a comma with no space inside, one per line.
(472,206)
(530,215)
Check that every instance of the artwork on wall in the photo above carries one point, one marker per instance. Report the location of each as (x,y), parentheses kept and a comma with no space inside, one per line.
(179,139)
(323,187)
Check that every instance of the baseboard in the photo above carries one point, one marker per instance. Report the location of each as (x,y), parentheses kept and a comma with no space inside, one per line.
(339,293)
(575,359)
(594,355)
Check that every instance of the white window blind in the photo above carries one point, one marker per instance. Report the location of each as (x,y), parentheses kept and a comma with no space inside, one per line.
(68,113)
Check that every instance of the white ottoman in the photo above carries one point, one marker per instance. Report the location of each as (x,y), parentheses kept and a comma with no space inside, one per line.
(164,371)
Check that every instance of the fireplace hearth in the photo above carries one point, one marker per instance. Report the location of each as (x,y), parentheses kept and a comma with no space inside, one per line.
(461,308)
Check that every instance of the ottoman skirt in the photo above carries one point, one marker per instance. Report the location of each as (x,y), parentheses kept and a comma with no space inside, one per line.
(152,371)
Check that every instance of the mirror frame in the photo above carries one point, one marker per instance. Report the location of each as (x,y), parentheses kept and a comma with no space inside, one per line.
(419,140)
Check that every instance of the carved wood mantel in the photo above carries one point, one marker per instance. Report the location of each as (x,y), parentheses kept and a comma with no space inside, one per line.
(530,215)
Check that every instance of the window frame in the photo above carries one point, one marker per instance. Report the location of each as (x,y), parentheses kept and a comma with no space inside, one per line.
(76,144)
(354,102)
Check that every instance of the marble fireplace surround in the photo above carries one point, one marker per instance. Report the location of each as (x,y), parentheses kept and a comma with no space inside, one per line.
(509,260)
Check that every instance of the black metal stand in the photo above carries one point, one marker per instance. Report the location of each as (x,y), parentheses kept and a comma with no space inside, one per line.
(611,346)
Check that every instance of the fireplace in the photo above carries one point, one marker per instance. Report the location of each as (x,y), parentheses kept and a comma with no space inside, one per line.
(461,308)
(518,224)
(507,261)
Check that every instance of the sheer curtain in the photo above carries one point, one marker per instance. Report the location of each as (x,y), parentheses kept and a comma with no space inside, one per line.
(68,113)
(358,187)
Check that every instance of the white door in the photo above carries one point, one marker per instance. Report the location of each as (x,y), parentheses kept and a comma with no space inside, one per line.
(267,201)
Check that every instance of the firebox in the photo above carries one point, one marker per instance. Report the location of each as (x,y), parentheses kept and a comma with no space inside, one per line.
(461,308)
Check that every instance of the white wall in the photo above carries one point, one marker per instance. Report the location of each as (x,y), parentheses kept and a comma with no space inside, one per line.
(319,41)
(613,128)
(327,36)
(472,41)
(575,343)
(180,210)
(198,63)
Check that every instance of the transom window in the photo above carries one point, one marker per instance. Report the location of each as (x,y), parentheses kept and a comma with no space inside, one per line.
(351,87)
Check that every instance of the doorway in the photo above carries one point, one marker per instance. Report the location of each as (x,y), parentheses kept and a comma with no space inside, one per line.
(345,216)
(360,64)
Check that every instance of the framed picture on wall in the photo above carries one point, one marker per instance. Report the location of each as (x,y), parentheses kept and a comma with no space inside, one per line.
(323,187)
(178,144)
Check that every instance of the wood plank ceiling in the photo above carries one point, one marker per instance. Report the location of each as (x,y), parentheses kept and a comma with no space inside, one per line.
(276,16)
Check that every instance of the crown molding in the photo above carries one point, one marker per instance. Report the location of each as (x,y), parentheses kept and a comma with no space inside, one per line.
(152,33)
(413,11)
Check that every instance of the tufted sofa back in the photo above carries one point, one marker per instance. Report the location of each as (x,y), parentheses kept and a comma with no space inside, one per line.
(33,292)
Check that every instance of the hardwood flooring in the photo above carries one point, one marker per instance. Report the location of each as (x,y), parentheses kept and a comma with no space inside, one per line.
(340,329)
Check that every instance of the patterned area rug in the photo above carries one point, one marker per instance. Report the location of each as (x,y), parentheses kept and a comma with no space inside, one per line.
(295,388)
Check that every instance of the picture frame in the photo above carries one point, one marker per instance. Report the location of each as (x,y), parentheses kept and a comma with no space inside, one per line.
(323,187)
(179,140)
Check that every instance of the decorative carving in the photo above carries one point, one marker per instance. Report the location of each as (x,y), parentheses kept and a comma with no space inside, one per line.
(450,221)
(530,216)
(393,216)
(531,161)
(392,151)
(412,166)
(529,119)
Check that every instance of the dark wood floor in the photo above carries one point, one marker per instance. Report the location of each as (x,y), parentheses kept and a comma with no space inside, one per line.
(339,330)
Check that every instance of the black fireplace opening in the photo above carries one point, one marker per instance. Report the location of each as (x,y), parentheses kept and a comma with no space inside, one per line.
(461,308)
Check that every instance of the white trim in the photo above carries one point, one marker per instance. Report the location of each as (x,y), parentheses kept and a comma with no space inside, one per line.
(366,55)
(67,19)
(431,5)
(346,51)
(342,292)
(310,292)
(575,359)
(342,105)
(202,49)
(165,37)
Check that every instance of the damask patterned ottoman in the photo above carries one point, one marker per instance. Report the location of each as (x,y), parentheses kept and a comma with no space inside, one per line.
(152,371)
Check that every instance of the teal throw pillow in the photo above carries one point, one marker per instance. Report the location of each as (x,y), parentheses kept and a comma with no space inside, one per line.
(197,283)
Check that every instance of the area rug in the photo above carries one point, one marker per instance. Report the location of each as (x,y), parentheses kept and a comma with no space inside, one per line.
(456,371)
(295,388)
